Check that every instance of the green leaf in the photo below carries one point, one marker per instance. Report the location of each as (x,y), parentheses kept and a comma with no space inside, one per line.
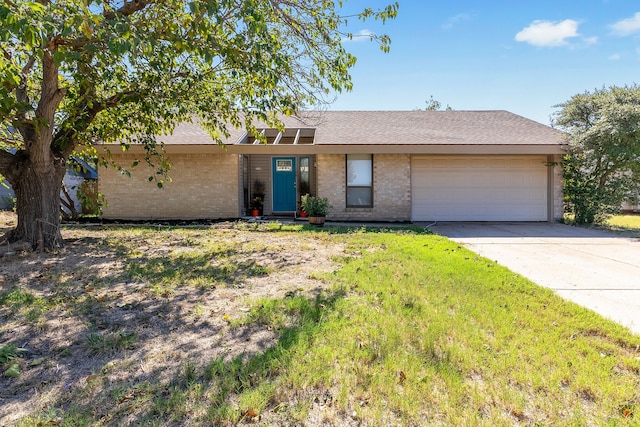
(38,361)
(13,371)
(36,7)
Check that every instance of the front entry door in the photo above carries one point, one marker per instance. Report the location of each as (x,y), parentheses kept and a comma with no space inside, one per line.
(284,184)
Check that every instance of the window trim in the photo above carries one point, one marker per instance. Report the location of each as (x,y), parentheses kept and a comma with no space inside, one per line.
(347,186)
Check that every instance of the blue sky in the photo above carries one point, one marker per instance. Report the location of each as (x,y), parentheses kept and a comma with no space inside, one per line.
(521,56)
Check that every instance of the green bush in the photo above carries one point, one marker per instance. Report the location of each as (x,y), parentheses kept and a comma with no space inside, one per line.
(315,206)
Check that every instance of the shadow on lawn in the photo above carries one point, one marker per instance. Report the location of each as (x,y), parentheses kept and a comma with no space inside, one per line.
(357,228)
(215,383)
(93,339)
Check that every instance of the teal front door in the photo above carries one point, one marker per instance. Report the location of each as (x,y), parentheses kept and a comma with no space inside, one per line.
(284,184)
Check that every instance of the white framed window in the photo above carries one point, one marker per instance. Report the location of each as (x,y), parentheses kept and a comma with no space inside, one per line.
(359,180)
(284,165)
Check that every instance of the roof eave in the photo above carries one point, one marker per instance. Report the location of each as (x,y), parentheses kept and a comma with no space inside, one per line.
(278,149)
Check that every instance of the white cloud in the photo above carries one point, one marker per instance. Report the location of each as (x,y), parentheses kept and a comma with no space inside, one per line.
(548,34)
(461,17)
(362,35)
(615,57)
(590,40)
(627,26)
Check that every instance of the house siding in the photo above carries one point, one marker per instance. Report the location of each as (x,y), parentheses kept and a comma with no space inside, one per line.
(391,188)
(260,169)
(204,186)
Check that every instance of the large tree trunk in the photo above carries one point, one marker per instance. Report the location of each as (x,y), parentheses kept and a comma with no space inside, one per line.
(36,170)
(37,190)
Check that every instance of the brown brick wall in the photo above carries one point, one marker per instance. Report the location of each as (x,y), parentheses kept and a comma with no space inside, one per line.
(207,186)
(203,186)
(391,188)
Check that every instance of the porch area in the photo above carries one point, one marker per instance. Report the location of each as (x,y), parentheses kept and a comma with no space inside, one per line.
(272,185)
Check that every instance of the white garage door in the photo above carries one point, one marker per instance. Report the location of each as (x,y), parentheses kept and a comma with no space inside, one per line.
(479,188)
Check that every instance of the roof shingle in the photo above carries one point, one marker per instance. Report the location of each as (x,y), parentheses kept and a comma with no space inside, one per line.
(399,128)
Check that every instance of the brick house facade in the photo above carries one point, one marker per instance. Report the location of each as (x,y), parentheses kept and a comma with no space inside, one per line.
(391,188)
(195,192)
(493,153)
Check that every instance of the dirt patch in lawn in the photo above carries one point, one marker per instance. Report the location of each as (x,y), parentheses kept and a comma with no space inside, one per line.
(120,307)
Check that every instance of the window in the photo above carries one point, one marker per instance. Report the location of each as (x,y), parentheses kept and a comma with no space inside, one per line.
(284,165)
(359,180)
(305,177)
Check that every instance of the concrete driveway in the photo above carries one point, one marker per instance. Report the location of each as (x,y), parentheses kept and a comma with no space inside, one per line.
(599,270)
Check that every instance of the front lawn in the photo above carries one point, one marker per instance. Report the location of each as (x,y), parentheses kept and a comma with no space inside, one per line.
(626,222)
(281,325)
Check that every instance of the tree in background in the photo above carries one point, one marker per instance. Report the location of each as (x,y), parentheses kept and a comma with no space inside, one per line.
(435,105)
(602,164)
(74,72)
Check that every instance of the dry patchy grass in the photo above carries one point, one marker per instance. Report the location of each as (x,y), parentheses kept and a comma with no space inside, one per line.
(121,307)
(235,324)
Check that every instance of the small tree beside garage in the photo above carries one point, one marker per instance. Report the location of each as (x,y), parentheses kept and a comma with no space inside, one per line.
(602,164)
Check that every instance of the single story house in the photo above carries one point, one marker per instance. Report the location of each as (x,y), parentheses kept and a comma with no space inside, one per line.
(371,165)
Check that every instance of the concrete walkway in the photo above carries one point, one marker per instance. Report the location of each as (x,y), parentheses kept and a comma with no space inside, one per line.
(596,269)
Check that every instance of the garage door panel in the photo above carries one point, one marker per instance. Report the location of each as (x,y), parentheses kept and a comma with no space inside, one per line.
(482,188)
(462,197)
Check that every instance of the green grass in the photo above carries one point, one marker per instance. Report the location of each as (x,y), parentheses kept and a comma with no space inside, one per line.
(110,343)
(9,352)
(8,355)
(430,333)
(624,222)
(412,330)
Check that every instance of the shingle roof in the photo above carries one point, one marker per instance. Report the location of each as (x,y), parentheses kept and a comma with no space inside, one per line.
(429,127)
(188,133)
(400,128)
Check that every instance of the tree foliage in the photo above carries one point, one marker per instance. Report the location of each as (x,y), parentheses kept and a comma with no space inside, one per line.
(74,72)
(433,104)
(602,164)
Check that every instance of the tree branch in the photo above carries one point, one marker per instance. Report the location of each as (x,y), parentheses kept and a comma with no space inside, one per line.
(6,54)
(128,8)
(67,201)
(28,66)
(25,70)
(66,137)
(74,45)
(23,124)
(51,94)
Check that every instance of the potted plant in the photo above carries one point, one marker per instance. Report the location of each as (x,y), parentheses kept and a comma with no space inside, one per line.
(257,202)
(316,208)
(303,213)
(256,206)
